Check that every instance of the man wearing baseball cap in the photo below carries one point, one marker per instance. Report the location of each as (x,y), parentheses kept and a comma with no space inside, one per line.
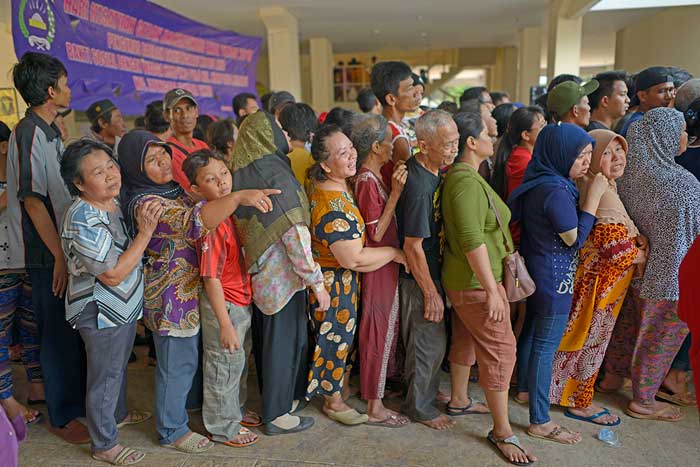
(106,123)
(180,110)
(654,89)
(568,102)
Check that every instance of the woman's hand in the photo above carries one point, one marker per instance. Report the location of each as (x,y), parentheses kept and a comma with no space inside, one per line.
(259,199)
(148,216)
(643,243)
(400,257)
(323,298)
(398,179)
(598,187)
(228,338)
(497,304)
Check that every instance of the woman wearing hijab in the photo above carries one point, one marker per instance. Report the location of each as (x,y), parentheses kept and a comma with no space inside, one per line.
(606,265)
(277,247)
(553,230)
(172,282)
(664,200)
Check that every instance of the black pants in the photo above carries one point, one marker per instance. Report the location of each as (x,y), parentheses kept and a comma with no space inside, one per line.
(280,345)
(62,353)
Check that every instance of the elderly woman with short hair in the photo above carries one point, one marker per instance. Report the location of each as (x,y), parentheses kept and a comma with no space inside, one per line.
(104,298)
(379,327)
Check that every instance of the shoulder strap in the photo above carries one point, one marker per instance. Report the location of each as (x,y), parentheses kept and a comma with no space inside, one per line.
(178,147)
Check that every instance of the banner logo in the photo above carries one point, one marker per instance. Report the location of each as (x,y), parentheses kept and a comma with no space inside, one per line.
(37,23)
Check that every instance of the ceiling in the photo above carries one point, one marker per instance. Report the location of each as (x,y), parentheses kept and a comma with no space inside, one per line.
(365,25)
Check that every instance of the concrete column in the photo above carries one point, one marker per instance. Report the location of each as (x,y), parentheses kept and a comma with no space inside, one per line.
(321,51)
(564,40)
(282,49)
(528,61)
(504,71)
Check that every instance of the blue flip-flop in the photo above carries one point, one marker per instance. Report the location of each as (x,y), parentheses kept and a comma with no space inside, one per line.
(591,418)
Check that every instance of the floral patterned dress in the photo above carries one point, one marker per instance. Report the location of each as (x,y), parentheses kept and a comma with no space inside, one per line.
(334,217)
(603,276)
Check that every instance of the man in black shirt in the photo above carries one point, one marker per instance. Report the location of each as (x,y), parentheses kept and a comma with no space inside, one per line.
(610,101)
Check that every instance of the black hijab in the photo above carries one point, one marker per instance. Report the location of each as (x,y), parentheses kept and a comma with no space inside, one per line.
(135,183)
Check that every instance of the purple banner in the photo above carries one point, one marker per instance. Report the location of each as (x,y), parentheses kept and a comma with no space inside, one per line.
(133,52)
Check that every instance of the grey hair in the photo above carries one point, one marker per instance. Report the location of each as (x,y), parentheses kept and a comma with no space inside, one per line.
(687,93)
(367,129)
(427,125)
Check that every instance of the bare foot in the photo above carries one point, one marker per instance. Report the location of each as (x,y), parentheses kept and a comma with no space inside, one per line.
(251,418)
(244,437)
(554,432)
(111,454)
(388,416)
(511,452)
(664,411)
(608,419)
(441,422)
(442,397)
(13,408)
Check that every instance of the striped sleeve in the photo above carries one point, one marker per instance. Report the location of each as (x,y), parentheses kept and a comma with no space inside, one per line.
(212,253)
(32,166)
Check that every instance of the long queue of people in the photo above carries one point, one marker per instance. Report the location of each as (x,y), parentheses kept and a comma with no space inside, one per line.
(369,240)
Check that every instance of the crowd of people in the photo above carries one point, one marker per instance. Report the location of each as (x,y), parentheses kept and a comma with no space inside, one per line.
(383,239)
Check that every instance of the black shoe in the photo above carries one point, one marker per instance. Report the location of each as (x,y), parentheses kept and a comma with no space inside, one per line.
(304,424)
(132,357)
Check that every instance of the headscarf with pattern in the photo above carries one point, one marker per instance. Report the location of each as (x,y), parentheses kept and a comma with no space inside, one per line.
(260,161)
(662,197)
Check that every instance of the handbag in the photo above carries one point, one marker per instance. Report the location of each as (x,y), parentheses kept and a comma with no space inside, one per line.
(516,279)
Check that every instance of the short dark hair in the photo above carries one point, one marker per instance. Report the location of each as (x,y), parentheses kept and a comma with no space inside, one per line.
(448,106)
(197,160)
(386,78)
(319,150)
(468,124)
(474,92)
(498,95)
(240,101)
(265,100)
(220,133)
(140,123)
(34,74)
(606,82)
(557,80)
(72,159)
(155,121)
(366,100)
(680,76)
(299,121)
(342,118)
(200,130)
(470,105)
(107,118)
(4,132)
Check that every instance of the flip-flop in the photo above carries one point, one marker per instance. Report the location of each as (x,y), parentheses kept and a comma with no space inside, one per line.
(37,418)
(135,416)
(252,414)
(677,398)
(191,444)
(348,417)
(592,418)
(657,416)
(387,422)
(234,444)
(512,440)
(553,435)
(459,411)
(520,401)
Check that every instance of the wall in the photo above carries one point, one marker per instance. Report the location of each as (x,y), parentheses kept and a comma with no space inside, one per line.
(668,38)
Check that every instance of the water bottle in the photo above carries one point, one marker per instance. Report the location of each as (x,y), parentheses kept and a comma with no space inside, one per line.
(609,437)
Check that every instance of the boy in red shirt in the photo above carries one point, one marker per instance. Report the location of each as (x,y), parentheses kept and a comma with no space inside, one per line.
(225,310)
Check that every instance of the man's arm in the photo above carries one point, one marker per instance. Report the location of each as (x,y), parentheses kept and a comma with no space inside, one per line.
(39,215)
(432,300)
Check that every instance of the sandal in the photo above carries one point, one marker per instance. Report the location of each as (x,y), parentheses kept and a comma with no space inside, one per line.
(243,431)
(37,418)
(123,457)
(554,435)
(135,416)
(512,440)
(252,415)
(347,417)
(191,444)
(520,401)
(683,399)
(663,415)
(392,421)
(593,418)
(459,411)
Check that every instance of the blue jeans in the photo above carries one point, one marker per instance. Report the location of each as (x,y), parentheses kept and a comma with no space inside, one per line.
(178,358)
(539,341)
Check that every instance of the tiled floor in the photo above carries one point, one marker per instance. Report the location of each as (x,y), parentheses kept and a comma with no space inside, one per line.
(644,444)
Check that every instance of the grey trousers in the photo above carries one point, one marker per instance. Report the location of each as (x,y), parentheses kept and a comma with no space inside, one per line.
(225,373)
(108,353)
(425,344)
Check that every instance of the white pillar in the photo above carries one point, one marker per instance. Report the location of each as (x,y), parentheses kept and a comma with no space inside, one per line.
(564,41)
(530,50)
(282,49)
(321,51)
